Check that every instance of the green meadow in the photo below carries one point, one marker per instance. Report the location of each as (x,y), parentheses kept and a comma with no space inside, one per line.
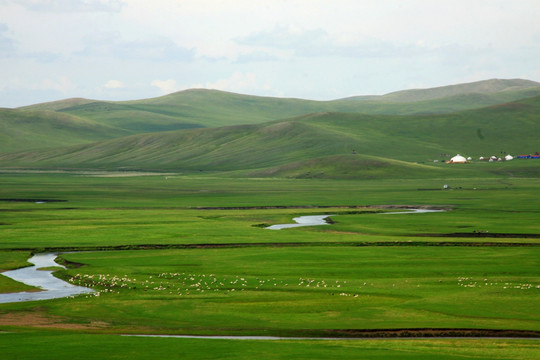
(63,346)
(183,209)
(299,291)
(91,346)
(188,254)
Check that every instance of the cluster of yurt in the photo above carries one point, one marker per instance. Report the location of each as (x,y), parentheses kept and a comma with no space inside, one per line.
(458,159)
(494,158)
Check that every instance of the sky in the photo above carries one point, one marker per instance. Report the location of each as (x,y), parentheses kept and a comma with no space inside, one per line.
(311,49)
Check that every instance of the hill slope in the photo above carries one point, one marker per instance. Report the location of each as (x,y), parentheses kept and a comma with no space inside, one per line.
(58,105)
(23,130)
(192,109)
(513,128)
(212,108)
(351,166)
(479,87)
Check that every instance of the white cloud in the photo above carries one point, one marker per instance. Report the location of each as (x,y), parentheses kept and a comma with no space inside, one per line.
(63,85)
(288,37)
(238,82)
(154,48)
(70,5)
(318,42)
(114,84)
(260,56)
(6,43)
(166,86)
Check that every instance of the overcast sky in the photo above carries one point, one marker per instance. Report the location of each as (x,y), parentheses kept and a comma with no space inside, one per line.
(314,49)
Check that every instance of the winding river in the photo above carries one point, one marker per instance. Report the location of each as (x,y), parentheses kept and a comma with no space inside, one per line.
(53,288)
(314,220)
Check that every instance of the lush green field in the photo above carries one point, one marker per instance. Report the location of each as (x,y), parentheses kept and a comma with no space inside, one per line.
(68,346)
(302,290)
(111,211)
(313,281)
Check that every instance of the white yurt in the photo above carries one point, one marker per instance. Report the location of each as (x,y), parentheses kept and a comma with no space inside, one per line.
(458,159)
(508,157)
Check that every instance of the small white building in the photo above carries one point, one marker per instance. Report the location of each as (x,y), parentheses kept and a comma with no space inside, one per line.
(508,157)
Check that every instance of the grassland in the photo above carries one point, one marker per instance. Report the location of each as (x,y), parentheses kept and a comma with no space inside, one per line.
(86,346)
(303,291)
(105,211)
(332,280)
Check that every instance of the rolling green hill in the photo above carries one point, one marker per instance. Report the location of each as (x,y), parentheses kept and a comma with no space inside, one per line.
(449,104)
(491,86)
(57,105)
(211,108)
(289,147)
(32,129)
(182,131)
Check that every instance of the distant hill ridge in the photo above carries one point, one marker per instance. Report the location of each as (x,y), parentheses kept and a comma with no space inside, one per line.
(484,87)
(411,95)
(58,105)
(479,87)
(80,121)
(322,141)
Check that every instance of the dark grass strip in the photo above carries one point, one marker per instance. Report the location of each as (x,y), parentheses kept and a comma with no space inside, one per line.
(351,334)
(270,244)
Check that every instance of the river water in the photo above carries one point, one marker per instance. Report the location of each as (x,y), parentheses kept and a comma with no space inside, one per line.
(53,288)
(314,220)
(311,220)
(412,211)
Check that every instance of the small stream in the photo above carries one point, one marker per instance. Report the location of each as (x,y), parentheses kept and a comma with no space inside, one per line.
(311,220)
(314,220)
(412,211)
(53,288)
